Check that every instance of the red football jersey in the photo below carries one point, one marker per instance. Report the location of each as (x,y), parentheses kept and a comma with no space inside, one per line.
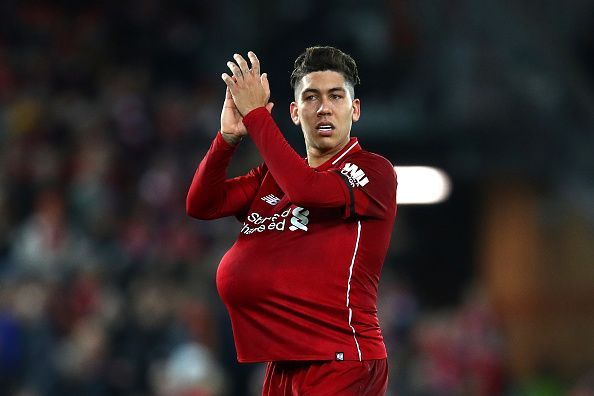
(301,281)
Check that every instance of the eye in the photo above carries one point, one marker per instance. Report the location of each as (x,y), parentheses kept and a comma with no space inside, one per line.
(309,98)
(336,96)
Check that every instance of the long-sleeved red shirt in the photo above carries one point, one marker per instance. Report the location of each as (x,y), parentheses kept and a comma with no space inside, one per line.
(301,281)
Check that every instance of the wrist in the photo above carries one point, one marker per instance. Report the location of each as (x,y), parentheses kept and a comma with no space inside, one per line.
(231,139)
(254,114)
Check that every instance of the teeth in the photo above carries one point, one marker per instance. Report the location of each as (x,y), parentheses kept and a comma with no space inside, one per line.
(325,128)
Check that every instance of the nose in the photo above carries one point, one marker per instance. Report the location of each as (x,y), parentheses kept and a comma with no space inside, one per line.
(325,107)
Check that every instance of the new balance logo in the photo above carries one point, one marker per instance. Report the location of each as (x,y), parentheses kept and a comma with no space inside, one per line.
(355,175)
(271,199)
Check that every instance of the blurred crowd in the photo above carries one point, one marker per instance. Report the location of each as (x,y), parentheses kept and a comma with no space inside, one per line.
(106,286)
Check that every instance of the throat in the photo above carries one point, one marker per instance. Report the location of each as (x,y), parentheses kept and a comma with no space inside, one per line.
(317,156)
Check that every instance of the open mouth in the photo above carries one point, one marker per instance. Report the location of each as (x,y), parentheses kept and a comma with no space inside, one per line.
(325,128)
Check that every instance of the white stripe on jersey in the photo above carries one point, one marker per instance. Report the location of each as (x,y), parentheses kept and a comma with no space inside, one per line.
(343,154)
(349,286)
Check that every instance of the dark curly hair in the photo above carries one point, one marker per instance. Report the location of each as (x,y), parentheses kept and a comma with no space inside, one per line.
(325,58)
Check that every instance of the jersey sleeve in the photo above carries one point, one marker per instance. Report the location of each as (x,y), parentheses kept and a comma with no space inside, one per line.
(211,195)
(370,183)
(303,185)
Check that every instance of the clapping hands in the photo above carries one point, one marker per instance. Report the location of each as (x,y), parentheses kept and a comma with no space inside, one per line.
(247,90)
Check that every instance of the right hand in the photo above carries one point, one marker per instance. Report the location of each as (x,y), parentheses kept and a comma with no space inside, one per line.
(232,128)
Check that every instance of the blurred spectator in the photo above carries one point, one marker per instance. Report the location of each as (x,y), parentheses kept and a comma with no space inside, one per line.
(45,245)
(460,352)
(189,371)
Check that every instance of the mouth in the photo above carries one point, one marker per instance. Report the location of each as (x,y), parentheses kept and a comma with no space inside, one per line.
(325,128)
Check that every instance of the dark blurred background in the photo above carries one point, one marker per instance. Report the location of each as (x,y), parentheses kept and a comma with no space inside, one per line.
(107,287)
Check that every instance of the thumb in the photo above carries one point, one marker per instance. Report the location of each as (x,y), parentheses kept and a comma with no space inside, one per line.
(269,106)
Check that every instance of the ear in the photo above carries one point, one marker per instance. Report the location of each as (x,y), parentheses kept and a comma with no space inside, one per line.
(294,109)
(356,110)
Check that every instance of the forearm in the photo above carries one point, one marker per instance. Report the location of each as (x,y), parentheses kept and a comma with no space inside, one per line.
(209,193)
(302,184)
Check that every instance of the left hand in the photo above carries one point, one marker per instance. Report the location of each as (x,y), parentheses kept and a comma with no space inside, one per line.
(249,89)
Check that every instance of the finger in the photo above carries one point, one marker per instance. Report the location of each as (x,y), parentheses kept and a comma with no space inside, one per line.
(242,64)
(228,94)
(228,80)
(255,63)
(237,74)
(269,106)
(265,83)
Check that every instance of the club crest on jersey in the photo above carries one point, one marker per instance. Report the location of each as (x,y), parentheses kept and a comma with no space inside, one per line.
(355,175)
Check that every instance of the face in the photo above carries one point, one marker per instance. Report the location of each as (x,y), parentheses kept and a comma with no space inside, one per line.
(325,110)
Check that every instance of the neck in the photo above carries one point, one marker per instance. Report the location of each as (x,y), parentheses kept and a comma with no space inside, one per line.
(316,157)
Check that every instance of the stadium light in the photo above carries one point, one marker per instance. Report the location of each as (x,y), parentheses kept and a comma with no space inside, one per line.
(421,185)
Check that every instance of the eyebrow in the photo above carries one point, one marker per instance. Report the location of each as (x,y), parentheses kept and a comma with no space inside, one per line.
(314,90)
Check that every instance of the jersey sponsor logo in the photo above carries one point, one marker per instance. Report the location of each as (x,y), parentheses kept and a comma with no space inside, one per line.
(299,220)
(356,176)
(256,223)
(271,199)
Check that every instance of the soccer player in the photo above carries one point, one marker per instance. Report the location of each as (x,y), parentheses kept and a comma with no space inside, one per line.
(300,283)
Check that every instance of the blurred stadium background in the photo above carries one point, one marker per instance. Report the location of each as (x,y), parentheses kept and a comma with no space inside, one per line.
(107,288)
